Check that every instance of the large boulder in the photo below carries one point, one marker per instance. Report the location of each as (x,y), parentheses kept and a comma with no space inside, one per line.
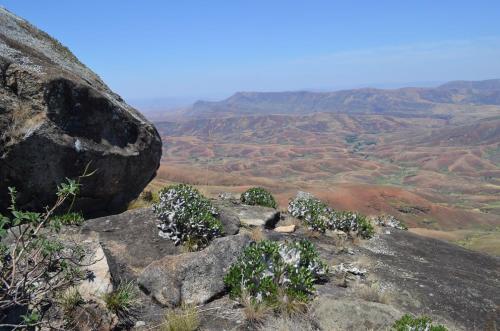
(192,278)
(57,117)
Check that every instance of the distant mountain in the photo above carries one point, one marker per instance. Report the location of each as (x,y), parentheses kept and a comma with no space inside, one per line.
(366,100)
(482,85)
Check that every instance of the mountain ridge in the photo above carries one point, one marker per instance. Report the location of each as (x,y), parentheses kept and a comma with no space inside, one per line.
(363,100)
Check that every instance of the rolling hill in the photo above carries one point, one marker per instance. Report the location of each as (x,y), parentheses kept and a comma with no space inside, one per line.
(429,156)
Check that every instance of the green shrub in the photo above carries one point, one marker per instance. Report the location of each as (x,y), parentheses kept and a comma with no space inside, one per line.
(409,323)
(258,196)
(310,210)
(319,217)
(267,268)
(187,216)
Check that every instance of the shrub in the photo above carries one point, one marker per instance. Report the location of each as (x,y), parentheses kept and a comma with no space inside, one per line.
(409,323)
(258,196)
(319,217)
(187,216)
(35,264)
(267,267)
(310,210)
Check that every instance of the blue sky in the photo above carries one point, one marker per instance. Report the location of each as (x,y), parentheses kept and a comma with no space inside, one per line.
(211,49)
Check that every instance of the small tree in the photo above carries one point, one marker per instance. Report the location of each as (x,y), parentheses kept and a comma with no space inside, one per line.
(36,265)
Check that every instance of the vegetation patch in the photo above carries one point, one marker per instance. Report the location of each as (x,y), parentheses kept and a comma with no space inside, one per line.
(185,318)
(67,219)
(187,216)
(269,272)
(319,217)
(36,266)
(122,300)
(258,196)
(409,323)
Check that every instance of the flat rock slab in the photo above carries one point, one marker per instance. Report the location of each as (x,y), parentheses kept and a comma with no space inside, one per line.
(130,241)
(350,314)
(250,215)
(434,277)
(286,228)
(192,278)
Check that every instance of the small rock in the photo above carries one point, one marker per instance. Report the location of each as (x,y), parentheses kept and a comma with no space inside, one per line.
(230,221)
(389,221)
(350,268)
(286,228)
(138,324)
(100,281)
(336,234)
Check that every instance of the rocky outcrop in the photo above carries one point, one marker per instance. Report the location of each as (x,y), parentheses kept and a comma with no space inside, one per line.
(57,117)
(433,276)
(192,278)
(249,215)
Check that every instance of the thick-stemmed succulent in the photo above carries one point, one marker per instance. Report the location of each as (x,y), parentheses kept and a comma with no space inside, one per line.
(187,216)
(267,267)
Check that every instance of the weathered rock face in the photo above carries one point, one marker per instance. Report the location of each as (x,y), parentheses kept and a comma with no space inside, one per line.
(249,215)
(192,278)
(57,117)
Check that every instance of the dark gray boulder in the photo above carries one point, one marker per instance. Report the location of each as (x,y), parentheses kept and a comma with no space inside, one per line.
(192,278)
(57,117)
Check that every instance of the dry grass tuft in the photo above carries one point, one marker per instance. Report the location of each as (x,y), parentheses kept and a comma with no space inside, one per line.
(185,318)
(372,293)
(257,233)
(289,306)
(255,312)
(70,299)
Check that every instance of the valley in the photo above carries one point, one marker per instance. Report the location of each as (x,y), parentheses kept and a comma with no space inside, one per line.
(438,170)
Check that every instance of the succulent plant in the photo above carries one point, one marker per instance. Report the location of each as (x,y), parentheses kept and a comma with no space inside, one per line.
(266,267)
(187,216)
(258,196)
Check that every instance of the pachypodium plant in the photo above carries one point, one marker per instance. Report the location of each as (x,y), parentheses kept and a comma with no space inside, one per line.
(267,268)
(35,263)
(258,196)
(319,217)
(187,216)
(409,323)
